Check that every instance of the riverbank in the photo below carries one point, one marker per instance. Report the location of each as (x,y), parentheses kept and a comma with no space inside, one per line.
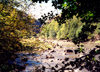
(62,49)
(89,45)
(54,56)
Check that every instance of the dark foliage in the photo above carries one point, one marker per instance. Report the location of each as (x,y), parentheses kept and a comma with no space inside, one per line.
(82,35)
(86,9)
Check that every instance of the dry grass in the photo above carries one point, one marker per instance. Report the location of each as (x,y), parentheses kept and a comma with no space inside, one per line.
(35,44)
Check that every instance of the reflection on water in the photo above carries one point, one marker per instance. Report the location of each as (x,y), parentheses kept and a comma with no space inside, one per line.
(25,62)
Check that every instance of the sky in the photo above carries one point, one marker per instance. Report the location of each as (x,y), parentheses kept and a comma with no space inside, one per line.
(38,9)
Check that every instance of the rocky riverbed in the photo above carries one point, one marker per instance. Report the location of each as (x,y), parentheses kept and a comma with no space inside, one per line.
(54,59)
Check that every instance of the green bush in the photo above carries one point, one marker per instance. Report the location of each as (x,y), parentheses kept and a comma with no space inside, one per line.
(74,25)
(73,29)
(50,30)
(66,30)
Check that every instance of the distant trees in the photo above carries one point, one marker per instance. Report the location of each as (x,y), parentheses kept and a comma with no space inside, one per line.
(50,30)
(66,30)
(73,29)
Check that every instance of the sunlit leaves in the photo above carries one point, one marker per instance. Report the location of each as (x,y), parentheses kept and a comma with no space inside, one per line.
(1,6)
(69,29)
(13,25)
(64,5)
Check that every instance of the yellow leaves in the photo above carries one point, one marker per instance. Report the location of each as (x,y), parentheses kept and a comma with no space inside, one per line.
(31,20)
(21,23)
(7,22)
(13,25)
(24,31)
(12,34)
(56,27)
(1,6)
(13,13)
(36,44)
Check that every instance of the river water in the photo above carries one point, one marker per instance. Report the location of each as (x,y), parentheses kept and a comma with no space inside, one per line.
(26,62)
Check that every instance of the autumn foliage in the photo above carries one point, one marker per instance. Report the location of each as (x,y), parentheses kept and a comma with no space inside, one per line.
(14,25)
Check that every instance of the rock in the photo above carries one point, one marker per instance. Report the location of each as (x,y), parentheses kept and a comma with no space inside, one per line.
(76,51)
(69,51)
(49,57)
(49,48)
(53,51)
(97,46)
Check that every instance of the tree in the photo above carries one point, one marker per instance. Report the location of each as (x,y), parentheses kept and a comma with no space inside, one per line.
(14,25)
